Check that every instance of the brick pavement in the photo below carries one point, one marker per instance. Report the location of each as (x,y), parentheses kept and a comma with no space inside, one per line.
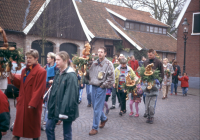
(176,118)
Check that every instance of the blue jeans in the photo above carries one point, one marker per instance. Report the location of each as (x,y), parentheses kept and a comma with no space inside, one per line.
(184,90)
(89,92)
(50,129)
(98,99)
(80,94)
(45,112)
(174,86)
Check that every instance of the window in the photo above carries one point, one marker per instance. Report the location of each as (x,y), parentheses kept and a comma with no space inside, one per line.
(137,26)
(131,25)
(196,24)
(151,28)
(127,25)
(142,27)
(147,28)
(164,31)
(160,30)
(155,29)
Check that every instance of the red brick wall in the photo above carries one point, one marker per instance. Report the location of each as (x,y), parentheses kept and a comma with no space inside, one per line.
(18,38)
(192,45)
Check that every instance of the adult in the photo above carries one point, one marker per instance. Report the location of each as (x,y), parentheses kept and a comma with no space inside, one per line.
(4,114)
(167,77)
(120,77)
(29,103)
(157,65)
(63,99)
(142,61)
(101,75)
(51,69)
(177,72)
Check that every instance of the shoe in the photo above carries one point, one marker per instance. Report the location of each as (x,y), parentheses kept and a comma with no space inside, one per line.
(36,138)
(93,132)
(107,111)
(148,120)
(112,107)
(120,113)
(15,138)
(124,111)
(185,94)
(175,93)
(145,115)
(136,115)
(131,114)
(89,105)
(151,120)
(163,98)
(170,93)
(103,123)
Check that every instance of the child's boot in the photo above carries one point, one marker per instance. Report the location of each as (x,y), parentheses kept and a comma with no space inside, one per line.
(151,120)
(148,120)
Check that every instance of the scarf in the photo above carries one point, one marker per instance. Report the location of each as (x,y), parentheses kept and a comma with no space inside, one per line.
(28,70)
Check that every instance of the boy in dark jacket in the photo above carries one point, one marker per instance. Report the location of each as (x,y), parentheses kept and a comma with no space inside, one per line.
(4,114)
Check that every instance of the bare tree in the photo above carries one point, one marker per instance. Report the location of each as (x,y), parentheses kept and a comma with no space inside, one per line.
(166,11)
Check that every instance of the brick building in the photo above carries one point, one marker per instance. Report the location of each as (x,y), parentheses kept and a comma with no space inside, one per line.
(68,24)
(191,11)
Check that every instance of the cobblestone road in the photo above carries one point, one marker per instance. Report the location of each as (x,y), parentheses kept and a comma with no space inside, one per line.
(176,118)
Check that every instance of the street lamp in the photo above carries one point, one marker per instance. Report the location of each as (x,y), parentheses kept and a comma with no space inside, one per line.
(185,26)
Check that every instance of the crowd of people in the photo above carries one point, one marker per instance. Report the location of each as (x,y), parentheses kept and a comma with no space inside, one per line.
(66,88)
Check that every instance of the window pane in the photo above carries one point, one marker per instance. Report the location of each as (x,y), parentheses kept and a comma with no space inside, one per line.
(137,26)
(164,31)
(127,25)
(142,27)
(147,27)
(196,23)
(131,25)
(160,30)
(155,29)
(151,28)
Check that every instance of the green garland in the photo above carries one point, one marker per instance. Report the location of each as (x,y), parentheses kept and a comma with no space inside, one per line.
(149,78)
(7,56)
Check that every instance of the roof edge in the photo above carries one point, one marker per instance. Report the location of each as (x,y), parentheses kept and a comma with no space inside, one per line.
(180,16)
(87,32)
(171,36)
(116,14)
(30,25)
(124,35)
(159,20)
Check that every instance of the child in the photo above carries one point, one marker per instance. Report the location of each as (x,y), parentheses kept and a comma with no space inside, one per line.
(136,99)
(4,114)
(150,100)
(108,93)
(184,83)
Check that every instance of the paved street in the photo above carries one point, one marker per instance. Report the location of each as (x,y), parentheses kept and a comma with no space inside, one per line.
(176,118)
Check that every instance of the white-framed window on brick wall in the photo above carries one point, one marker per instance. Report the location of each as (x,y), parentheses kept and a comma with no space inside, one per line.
(196,24)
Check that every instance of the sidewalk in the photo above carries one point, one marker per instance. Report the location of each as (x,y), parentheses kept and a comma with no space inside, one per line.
(191,91)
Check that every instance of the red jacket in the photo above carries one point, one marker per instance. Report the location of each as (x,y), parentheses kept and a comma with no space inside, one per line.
(134,65)
(184,81)
(28,121)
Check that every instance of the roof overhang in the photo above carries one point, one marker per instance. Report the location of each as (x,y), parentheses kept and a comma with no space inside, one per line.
(30,25)
(124,35)
(116,14)
(87,32)
(182,13)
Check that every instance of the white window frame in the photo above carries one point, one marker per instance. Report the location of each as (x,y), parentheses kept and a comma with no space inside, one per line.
(152,29)
(147,28)
(159,30)
(193,24)
(155,30)
(165,31)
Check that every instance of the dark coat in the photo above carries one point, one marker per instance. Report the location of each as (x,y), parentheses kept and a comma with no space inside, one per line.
(28,121)
(64,96)
(4,113)
(157,64)
(177,72)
